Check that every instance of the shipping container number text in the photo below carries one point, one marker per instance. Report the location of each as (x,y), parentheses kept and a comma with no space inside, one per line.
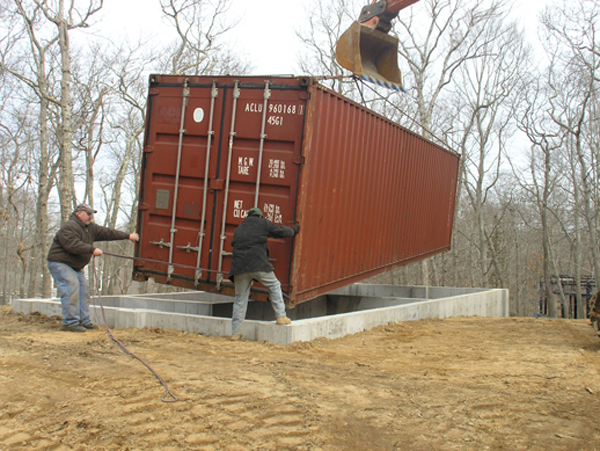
(280,108)
(275,120)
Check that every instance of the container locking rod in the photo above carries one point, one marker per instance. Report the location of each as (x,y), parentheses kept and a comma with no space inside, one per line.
(185,95)
(236,95)
(213,95)
(266,96)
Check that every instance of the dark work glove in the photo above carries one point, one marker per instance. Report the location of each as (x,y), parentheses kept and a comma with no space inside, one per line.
(296,228)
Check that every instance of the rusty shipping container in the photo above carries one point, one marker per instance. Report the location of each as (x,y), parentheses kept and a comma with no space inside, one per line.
(369,195)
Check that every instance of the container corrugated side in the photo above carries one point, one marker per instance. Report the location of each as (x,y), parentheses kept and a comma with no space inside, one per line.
(373,196)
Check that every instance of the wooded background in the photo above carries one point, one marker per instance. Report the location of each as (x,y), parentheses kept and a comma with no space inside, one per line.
(522,113)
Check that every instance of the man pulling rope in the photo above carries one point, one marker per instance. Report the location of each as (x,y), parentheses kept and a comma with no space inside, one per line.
(71,251)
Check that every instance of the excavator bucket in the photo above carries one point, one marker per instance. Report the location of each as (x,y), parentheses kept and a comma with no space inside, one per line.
(370,55)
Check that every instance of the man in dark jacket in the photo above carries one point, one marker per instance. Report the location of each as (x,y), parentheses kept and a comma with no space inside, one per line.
(250,261)
(71,250)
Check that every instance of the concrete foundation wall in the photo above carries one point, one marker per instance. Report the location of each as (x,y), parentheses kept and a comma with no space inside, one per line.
(347,311)
(492,303)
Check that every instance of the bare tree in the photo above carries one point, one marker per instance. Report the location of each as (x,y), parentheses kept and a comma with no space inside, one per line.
(571,36)
(543,175)
(486,95)
(201,26)
(124,145)
(16,140)
(34,72)
(92,89)
(440,41)
(454,33)
(326,23)
(66,17)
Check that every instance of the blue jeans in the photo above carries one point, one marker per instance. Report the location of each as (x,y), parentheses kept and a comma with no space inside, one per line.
(243,283)
(74,293)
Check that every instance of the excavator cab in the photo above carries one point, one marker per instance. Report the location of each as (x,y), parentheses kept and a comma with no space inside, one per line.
(370,54)
(367,50)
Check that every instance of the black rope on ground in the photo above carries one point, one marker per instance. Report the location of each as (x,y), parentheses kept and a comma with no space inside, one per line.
(122,346)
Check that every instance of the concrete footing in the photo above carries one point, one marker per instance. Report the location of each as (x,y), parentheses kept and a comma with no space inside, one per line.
(349,310)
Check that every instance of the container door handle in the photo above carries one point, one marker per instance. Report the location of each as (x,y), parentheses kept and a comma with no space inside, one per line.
(162,243)
(188,248)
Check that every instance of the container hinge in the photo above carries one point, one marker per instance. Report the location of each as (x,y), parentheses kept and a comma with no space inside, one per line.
(299,160)
(188,248)
(162,243)
(225,253)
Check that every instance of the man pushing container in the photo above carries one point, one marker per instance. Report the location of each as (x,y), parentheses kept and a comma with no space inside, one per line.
(250,261)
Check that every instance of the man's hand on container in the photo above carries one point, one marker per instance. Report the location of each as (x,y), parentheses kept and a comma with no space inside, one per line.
(134,237)
(97,252)
(296,228)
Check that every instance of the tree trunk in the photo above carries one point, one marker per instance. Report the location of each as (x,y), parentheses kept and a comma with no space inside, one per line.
(549,296)
(44,186)
(589,212)
(576,246)
(66,186)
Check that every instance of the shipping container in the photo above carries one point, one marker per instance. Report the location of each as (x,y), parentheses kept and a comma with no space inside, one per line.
(369,195)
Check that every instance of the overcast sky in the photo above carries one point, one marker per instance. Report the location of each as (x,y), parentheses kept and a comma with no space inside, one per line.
(266,31)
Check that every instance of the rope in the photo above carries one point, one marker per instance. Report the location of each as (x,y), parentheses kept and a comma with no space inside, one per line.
(358,80)
(177,265)
(413,120)
(332,77)
(122,346)
(286,296)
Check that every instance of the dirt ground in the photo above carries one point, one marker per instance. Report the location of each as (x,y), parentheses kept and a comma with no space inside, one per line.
(454,384)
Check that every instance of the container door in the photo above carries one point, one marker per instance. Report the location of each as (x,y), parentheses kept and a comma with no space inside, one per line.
(215,150)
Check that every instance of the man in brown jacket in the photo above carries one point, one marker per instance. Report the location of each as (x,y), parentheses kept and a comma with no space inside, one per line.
(71,250)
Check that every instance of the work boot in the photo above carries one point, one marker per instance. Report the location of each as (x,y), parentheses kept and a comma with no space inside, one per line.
(89,326)
(72,328)
(283,320)
(236,337)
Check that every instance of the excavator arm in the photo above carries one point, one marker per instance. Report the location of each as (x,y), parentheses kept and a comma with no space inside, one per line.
(367,50)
